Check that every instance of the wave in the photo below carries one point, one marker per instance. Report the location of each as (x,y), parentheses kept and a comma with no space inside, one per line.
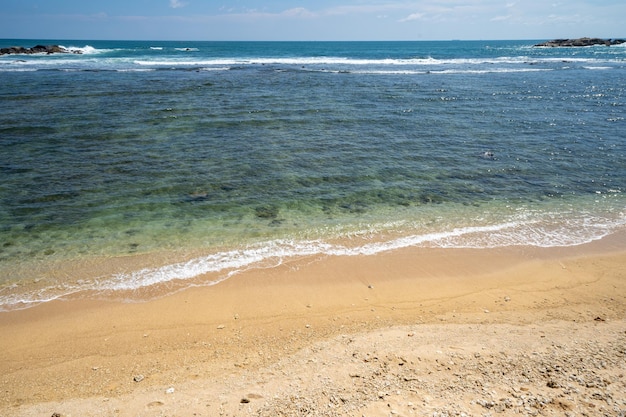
(85,50)
(90,58)
(361,62)
(528,229)
(490,71)
(136,70)
(7,69)
(452,71)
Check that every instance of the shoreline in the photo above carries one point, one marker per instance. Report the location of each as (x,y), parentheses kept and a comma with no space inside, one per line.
(142,276)
(75,355)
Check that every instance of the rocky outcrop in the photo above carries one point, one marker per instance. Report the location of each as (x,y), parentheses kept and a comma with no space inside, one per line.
(581,42)
(38,49)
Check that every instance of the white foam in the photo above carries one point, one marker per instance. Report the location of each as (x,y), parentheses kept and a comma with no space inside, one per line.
(20,301)
(407,66)
(543,232)
(7,69)
(215,69)
(136,70)
(390,72)
(489,71)
(84,50)
(526,228)
(303,61)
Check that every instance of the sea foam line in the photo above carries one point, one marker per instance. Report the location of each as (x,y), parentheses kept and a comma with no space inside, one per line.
(429,61)
(514,233)
(525,230)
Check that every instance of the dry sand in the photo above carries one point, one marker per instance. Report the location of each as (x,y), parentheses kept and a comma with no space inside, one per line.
(423,332)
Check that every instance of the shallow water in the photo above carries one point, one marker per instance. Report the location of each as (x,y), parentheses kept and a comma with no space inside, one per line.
(230,154)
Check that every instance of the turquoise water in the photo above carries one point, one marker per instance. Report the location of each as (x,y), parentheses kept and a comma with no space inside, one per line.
(224,155)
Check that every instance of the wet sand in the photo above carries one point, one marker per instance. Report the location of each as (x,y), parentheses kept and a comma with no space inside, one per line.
(509,331)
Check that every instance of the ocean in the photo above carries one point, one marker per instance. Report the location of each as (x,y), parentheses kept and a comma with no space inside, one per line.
(132,164)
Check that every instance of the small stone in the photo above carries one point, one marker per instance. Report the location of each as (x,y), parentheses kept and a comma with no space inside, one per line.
(486,311)
(244,401)
(507,299)
(552,384)
(220,327)
(138,378)
(170,390)
(308,326)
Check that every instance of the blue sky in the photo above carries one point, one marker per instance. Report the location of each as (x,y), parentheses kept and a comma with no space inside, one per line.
(311,20)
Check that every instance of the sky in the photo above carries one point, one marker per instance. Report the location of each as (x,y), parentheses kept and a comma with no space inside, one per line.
(311,19)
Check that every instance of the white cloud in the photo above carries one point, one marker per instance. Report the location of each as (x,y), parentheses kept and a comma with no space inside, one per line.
(413,16)
(176,4)
(298,12)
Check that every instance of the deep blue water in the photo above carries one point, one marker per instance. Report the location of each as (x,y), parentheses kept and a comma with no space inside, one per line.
(226,154)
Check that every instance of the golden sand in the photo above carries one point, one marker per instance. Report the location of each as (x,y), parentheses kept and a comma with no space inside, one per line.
(248,345)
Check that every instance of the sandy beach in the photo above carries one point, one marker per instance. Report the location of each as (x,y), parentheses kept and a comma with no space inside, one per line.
(424,332)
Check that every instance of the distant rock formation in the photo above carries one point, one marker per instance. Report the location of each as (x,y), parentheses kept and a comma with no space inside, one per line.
(39,49)
(581,42)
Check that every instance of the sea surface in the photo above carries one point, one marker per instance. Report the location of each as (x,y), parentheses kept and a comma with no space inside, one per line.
(132,164)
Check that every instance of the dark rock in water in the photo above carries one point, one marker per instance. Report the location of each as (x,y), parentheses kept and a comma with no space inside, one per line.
(37,49)
(266,212)
(581,42)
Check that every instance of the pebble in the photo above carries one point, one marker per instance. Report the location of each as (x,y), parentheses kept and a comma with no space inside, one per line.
(170,390)
(138,378)
(515,381)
